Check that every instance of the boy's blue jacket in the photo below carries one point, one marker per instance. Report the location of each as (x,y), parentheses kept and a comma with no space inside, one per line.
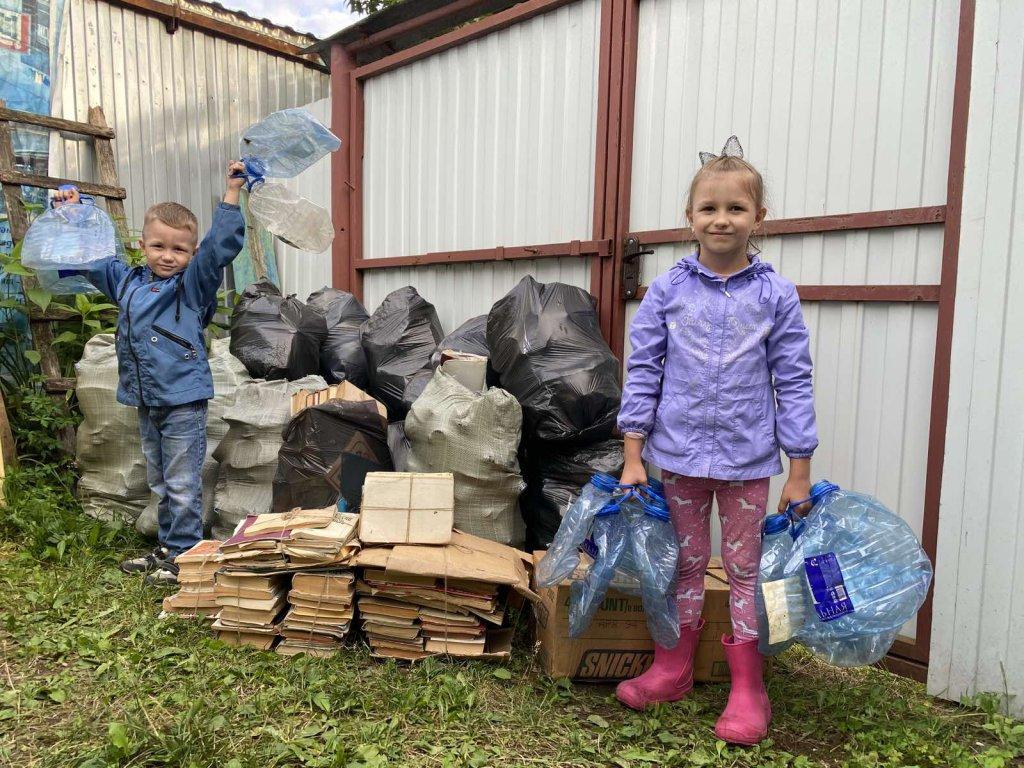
(161,351)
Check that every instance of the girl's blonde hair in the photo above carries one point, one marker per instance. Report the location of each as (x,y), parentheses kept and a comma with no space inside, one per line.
(731,164)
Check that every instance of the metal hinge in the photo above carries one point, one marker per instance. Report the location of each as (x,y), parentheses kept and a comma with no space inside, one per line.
(631,267)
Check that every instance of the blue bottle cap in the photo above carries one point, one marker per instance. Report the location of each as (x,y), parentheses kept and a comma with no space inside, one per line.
(822,488)
(776,523)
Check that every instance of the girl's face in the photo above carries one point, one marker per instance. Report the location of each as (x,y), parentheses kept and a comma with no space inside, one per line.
(723,217)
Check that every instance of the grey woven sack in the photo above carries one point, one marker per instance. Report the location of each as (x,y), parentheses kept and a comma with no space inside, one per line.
(248,451)
(228,374)
(108,447)
(475,436)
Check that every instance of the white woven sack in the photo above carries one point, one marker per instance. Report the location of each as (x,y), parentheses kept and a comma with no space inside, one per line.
(108,448)
(248,451)
(475,436)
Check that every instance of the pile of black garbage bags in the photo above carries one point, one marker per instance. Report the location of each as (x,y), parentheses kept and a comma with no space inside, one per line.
(544,348)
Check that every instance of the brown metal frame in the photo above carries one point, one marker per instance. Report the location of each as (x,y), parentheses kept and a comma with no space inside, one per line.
(613,178)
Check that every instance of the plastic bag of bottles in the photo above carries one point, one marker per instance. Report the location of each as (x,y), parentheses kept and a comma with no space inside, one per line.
(853,575)
(71,236)
(636,551)
(60,282)
(285,143)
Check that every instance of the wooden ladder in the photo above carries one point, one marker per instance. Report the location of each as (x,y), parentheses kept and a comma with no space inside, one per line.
(12,181)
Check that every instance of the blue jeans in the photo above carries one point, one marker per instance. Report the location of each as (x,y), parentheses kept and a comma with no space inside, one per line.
(174,443)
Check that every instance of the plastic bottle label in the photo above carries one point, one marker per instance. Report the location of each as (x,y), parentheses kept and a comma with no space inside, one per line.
(779,609)
(828,590)
(590,548)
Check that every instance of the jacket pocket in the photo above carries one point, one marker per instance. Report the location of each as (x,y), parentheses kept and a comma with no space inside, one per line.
(188,348)
(749,415)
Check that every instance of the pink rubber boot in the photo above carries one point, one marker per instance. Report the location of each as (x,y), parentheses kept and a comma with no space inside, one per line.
(670,677)
(746,716)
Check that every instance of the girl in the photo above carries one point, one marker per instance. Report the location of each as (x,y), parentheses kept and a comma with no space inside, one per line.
(719,379)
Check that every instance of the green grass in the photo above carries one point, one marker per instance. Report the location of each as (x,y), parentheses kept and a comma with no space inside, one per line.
(89,676)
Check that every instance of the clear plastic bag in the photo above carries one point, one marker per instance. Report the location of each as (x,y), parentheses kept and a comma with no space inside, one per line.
(71,236)
(285,143)
(862,573)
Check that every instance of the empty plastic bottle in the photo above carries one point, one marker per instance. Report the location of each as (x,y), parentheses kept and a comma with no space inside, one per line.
(72,236)
(563,555)
(862,572)
(610,537)
(285,143)
(654,546)
(293,219)
(779,601)
(866,572)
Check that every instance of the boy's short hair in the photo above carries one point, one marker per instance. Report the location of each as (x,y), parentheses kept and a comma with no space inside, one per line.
(173,215)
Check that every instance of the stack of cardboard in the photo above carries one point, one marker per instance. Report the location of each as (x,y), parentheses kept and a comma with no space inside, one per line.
(301,538)
(418,600)
(251,605)
(344,391)
(196,568)
(320,613)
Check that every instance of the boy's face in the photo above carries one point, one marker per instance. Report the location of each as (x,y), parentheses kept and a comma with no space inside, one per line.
(168,249)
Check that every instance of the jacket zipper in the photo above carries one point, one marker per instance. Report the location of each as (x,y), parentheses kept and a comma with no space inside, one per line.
(135,357)
(175,338)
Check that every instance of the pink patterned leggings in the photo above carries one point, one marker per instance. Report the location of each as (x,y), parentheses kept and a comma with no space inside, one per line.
(741,508)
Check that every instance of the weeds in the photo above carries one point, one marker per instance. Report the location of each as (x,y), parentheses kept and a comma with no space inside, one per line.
(90,677)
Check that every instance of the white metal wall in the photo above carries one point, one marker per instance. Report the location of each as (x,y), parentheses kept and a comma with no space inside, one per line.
(177,103)
(844,107)
(978,620)
(490,143)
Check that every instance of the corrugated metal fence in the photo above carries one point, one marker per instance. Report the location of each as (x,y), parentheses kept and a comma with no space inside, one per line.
(177,102)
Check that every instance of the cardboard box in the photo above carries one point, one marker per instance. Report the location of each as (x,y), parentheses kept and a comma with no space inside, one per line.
(343,391)
(617,644)
(467,369)
(407,508)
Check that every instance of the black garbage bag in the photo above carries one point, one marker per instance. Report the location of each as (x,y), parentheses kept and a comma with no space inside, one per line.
(554,476)
(547,349)
(398,339)
(276,337)
(415,386)
(327,451)
(341,355)
(399,446)
(470,337)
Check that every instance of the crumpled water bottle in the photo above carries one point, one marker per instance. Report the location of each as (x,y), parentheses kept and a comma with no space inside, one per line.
(563,555)
(71,236)
(636,552)
(282,145)
(863,574)
(286,143)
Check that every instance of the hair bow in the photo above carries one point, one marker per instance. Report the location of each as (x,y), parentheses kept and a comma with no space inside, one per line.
(732,148)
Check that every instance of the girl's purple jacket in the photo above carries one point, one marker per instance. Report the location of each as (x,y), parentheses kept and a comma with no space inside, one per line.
(720,373)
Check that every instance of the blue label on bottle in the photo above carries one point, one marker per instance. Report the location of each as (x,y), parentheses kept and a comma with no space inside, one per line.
(827,588)
(590,548)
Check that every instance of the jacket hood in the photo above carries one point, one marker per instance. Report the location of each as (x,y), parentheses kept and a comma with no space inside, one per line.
(690,266)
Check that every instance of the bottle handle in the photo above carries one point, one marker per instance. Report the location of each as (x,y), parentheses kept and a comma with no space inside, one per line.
(254,172)
(82,199)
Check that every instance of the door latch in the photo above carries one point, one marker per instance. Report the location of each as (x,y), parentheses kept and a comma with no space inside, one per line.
(631,267)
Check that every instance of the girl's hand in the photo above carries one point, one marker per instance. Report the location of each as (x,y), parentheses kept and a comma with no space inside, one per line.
(63,196)
(633,472)
(798,486)
(633,475)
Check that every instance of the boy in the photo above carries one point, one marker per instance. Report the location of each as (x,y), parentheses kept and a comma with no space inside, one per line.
(161,355)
